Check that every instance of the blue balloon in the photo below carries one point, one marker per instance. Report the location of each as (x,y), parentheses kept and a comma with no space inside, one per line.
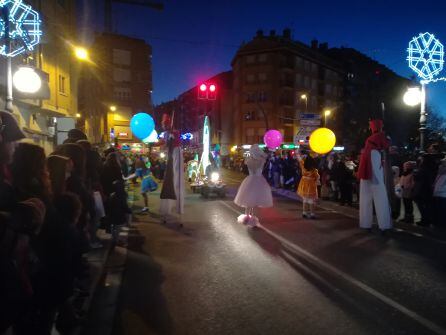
(142,125)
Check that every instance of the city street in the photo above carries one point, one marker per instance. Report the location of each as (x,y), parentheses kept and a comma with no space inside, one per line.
(290,276)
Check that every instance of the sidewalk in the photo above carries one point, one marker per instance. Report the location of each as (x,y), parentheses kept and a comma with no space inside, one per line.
(353,213)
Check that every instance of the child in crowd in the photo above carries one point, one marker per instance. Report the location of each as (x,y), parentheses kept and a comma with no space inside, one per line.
(308,185)
(440,195)
(147,185)
(407,183)
(118,210)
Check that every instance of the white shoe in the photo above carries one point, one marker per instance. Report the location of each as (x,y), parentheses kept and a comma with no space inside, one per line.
(145,209)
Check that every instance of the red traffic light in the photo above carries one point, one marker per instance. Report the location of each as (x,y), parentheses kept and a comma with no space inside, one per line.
(203,87)
(212,88)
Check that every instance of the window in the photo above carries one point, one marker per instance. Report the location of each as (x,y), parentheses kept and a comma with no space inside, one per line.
(262,77)
(62,84)
(299,62)
(122,57)
(262,97)
(314,68)
(298,79)
(121,75)
(250,59)
(250,78)
(263,58)
(328,89)
(307,66)
(251,97)
(122,93)
(61,3)
(307,82)
(314,84)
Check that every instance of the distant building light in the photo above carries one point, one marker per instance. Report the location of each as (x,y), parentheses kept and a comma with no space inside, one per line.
(338,148)
(246,146)
(187,136)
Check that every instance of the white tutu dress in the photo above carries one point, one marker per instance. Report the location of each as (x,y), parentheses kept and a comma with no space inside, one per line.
(254,190)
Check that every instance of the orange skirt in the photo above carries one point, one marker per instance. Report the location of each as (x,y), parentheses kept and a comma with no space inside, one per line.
(307,188)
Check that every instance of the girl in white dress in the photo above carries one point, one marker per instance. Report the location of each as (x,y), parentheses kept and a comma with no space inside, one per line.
(254,190)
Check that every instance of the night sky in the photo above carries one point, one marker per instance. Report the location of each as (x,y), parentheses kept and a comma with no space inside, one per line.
(194,40)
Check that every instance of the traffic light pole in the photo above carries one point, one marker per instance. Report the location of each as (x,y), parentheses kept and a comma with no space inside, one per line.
(8,98)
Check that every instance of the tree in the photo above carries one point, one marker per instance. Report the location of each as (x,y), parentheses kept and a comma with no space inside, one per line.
(436,127)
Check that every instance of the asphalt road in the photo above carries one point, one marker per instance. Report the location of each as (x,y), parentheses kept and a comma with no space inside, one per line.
(290,276)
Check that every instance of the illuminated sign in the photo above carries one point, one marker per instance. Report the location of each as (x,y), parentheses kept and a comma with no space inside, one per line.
(123,134)
(426,57)
(187,136)
(25,28)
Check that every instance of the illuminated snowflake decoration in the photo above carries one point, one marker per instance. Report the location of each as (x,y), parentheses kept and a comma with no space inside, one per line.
(426,56)
(25,31)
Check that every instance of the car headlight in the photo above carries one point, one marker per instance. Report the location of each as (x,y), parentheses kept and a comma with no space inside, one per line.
(215,176)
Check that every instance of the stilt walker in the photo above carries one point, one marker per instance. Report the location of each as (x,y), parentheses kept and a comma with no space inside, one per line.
(172,193)
(372,186)
(254,190)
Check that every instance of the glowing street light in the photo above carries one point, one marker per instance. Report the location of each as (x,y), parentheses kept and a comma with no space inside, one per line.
(26,80)
(327,113)
(81,53)
(305,97)
(113,108)
(78,115)
(413,96)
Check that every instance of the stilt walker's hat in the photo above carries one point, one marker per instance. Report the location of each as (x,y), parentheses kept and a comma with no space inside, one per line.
(376,125)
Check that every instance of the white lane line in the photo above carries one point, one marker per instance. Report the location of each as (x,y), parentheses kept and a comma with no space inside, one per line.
(329,268)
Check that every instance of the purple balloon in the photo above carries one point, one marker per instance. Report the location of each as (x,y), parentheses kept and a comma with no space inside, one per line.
(273,139)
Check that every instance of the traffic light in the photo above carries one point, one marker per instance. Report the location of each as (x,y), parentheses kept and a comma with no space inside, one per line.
(207,92)
(203,92)
(212,92)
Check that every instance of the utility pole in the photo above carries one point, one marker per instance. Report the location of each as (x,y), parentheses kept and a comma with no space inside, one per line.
(8,100)
(108,9)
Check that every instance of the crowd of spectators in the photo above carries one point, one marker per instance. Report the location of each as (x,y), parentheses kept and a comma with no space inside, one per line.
(50,210)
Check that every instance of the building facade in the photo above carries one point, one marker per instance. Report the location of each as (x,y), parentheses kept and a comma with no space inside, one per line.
(278,81)
(372,90)
(117,85)
(54,60)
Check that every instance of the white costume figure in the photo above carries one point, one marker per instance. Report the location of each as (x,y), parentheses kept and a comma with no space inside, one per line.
(372,186)
(254,190)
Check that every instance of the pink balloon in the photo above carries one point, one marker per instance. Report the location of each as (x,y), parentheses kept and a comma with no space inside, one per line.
(273,138)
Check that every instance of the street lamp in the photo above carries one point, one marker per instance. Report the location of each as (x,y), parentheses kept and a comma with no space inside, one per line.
(305,97)
(26,80)
(78,115)
(113,108)
(413,97)
(81,53)
(327,112)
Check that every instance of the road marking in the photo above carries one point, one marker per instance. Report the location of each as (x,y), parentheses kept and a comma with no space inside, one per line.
(329,268)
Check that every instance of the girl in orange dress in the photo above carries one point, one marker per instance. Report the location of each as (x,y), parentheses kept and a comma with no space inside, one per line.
(307,189)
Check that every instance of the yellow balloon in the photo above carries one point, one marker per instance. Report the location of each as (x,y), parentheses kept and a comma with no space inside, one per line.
(322,140)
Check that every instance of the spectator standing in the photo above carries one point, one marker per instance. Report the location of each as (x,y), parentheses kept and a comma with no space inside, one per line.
(407,184)
(440,196)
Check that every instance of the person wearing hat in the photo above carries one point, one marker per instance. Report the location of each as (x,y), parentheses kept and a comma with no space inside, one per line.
(254,190)
(371,175)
